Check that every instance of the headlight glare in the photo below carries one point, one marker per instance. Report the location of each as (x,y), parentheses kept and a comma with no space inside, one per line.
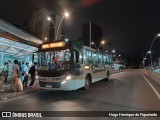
(68,77)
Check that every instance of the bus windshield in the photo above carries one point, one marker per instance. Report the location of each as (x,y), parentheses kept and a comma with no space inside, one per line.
(54,60)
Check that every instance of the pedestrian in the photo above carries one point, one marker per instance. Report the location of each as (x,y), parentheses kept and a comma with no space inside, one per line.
(15,76)
(33,71)
(26,72)
(6,70)
(56,61)
(51,65)
(22,66)
(10,67)
(2,78)
(22,71)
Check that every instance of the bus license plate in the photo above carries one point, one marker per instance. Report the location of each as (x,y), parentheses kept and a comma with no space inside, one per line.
(48,86)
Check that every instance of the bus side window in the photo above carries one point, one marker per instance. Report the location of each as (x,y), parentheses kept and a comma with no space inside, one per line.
(90,57)
(108,61)
(105,59)
(80,58)
(87,57)
(100,59)
(95,58)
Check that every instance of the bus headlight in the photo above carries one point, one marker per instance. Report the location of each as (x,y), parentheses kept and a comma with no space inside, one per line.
(67,79)
(63,82)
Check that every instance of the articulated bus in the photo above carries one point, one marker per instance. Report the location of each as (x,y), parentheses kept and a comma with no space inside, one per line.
(77,65)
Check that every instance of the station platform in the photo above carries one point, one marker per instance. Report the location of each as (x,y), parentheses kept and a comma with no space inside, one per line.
(7,94)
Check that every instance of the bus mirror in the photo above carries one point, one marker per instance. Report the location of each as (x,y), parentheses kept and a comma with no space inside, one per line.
(33,57)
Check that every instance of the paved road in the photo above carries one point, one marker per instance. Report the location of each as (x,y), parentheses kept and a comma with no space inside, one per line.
(125,91)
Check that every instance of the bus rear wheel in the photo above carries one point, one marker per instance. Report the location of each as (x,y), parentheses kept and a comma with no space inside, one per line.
(87,82)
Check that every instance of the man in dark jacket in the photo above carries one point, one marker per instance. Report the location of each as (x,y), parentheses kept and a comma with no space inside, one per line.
(33,71)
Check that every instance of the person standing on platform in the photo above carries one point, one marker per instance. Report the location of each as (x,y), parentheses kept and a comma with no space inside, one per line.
(15,75)
(26,72)
(33,71)
(22,71)
(6,70)
(10,67)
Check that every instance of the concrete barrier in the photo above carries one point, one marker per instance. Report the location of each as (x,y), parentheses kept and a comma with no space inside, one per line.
(155,76)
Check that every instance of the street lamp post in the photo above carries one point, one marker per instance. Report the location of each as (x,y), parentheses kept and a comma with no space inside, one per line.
(149,52)
(158,35)
(50,19)
(103,42)
(144,59)
(65,15)
(57,30)
(94,45)
(117,58)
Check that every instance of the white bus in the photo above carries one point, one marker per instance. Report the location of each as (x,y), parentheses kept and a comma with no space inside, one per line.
(70,66)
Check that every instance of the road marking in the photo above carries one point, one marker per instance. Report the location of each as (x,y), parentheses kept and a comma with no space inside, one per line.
(110,85)
(158,95)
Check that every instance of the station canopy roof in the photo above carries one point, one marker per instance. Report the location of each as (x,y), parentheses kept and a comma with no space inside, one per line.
(15,49)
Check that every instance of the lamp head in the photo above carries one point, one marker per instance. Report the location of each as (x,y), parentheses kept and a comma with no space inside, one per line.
(49,18)
(66,14)
(158,35)
(103,42)
(113,51)
(45,38)
(149,52)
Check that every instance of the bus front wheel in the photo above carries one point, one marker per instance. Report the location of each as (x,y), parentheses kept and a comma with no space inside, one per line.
(87,82)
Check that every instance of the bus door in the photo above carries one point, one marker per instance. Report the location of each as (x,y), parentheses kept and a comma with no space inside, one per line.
(78,72)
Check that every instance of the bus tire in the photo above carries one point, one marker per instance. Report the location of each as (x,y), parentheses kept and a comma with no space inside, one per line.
(87,82)
(107,75)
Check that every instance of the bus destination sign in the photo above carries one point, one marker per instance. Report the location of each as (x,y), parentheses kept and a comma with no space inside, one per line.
(53,45)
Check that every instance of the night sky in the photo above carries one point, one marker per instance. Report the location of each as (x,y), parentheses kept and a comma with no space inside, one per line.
(130,25)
